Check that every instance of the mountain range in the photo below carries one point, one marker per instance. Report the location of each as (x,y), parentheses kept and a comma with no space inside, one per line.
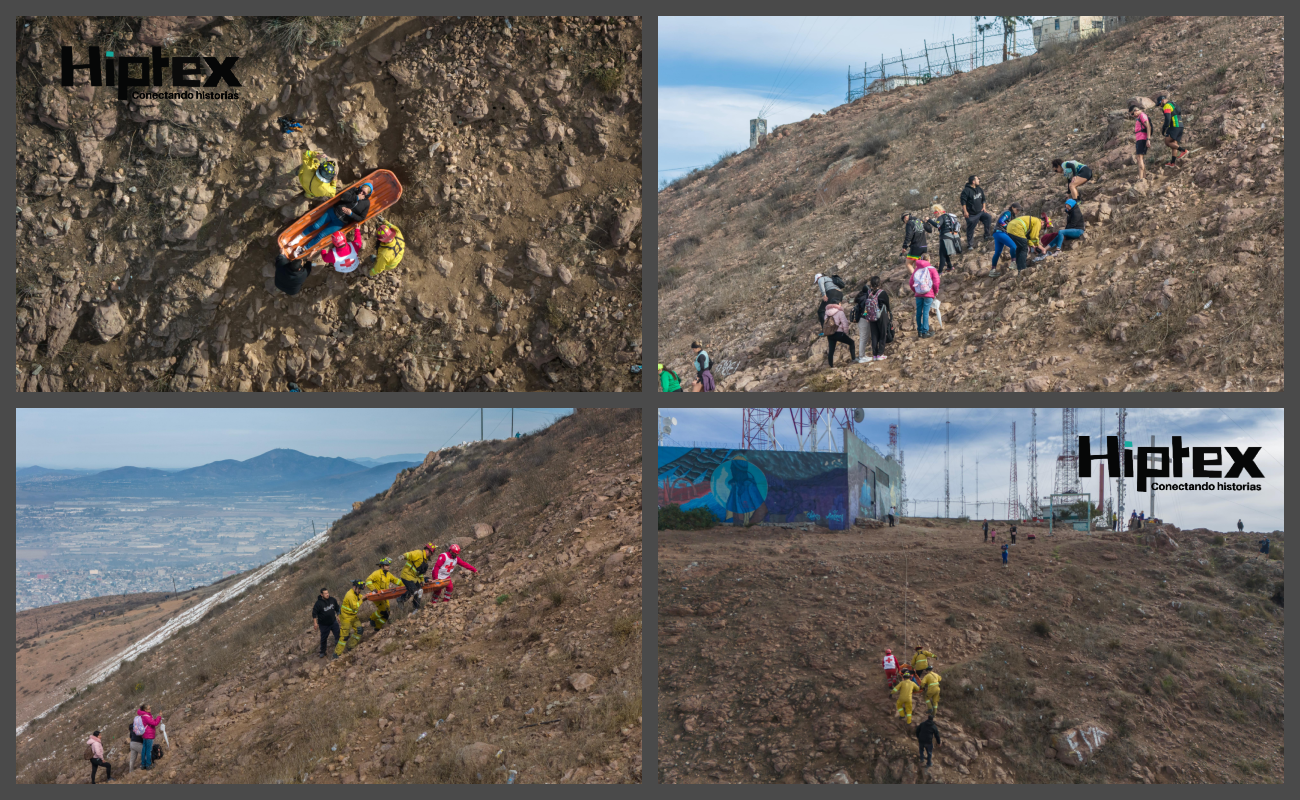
(273,472)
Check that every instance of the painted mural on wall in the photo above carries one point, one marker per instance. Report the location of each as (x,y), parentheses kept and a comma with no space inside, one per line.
(745,487)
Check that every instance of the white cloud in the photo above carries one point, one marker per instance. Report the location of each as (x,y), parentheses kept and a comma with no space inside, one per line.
(802,43)
(697,123)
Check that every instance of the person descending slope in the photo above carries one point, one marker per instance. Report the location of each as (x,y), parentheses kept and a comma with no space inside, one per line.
(930,684)
(392,246)
(904,691)
(972,203)
(344,255)
(1142,135)
(442,570)
(378,581)
(1172,130)
(416,564)
(350,626)
(317,176)
(1076,174)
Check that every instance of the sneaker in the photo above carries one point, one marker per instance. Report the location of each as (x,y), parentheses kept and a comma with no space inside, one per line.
(881,358)
(993,273)
(864,359)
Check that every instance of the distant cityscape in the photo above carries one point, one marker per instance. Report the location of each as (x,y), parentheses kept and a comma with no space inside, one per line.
(70,550)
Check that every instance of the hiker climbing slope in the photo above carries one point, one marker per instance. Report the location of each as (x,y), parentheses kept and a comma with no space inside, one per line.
(921,660)
(442,570)
(904,691)
(1172,130)
(972,203)
(914,245)
(317,176)
(349,625)
(378,581)
(930,685)
(416,564)
(1076,174)
(949,238)
(1142,135)
(668,380)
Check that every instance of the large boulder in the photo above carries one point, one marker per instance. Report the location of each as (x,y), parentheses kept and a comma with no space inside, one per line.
(625,223)
(482,530)
(1077,746)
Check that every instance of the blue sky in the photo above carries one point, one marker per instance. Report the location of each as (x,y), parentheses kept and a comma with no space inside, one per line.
(985,434)
(715,73)
(179,438)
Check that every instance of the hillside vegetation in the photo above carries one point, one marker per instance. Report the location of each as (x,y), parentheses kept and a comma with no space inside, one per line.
(1177,286)
(548,631)
(1166,646)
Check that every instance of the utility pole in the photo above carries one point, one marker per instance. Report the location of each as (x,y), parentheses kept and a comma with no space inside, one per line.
(1013,510)
(1033,462)
(977,486)
(947,427)
(512,423)
(1151,465)
(480,424)
(963,483)
(1121,414)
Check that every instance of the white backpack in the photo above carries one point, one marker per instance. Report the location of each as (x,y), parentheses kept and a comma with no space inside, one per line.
(137,726)
(921,282)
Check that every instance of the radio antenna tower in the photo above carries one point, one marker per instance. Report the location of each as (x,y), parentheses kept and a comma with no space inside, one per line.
(902,483)
(1122,414)
(1013,504)
(893,442)
(947,427)
(1033,463)
(1067,464)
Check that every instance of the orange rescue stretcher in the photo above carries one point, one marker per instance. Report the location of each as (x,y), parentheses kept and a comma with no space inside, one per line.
(398,591)
(387,192)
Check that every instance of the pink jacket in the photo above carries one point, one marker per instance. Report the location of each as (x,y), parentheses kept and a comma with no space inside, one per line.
(347,256)
(150,724)
(934,277)
(841,320)
(96,747)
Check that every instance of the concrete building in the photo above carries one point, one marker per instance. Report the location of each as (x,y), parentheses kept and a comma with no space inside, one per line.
(894,82)
(874,480)
(1053,30)
(757,130)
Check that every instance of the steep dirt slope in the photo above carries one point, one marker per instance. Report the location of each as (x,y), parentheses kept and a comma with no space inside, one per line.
(770,643)
(553,523)
(59,646)
(146,230)
(1178,285)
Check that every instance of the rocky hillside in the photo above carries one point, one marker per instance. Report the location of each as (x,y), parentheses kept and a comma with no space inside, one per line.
(1178,284)
(534,666)
(146,229)
(1113,658)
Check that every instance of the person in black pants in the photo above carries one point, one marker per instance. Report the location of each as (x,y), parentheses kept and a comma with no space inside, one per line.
(325,616)
(839,336)
(972,202)
(914,244)
(97,758)
(927,735)
(946,225)
(986,530)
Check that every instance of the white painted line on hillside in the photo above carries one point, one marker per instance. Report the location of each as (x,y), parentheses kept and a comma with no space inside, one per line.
(192,615)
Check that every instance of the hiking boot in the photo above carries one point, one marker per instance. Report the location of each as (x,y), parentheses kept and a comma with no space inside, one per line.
(993,273)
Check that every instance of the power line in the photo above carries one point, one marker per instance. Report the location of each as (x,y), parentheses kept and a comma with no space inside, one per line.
(1252,438)
(672,169)
(463,424)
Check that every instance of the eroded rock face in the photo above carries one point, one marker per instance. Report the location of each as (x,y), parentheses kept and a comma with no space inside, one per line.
(1076,746)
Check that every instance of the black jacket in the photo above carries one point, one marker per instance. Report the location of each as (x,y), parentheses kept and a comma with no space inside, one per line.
(351,200)
(972,199)
(291,275)
(913,236)
(326,611)
(943,223)
(861,301)
(926,731)
(1074,218)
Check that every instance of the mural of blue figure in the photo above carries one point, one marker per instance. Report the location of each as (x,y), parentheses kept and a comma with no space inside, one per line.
(740,487)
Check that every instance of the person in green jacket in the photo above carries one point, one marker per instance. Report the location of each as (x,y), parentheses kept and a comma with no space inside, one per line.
(668,380)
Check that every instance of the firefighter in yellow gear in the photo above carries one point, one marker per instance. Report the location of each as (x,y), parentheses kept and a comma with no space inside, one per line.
(904,691)
(317,176)
(412,575)
(930,684)
(392,246)
(921,660)
(378,581)
(349,625)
